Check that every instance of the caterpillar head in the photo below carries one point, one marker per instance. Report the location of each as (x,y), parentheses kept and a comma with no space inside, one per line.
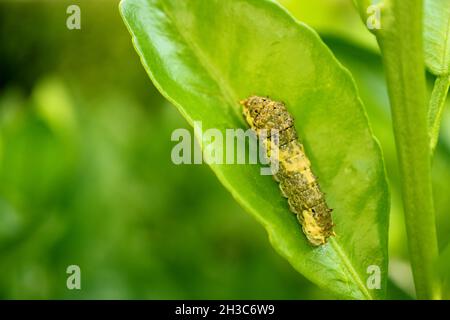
(252,108)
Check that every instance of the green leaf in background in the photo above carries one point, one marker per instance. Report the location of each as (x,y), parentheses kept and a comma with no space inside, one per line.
(205,56)
(437,36)
(333,19)
(437,59)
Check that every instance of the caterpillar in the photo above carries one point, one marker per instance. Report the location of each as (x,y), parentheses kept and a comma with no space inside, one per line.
(295,177)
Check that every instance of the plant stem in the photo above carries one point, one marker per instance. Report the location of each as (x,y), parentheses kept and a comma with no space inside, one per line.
(437,103)
(400,41)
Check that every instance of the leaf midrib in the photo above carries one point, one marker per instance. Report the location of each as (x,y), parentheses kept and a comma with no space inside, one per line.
(349,266)
(229,94)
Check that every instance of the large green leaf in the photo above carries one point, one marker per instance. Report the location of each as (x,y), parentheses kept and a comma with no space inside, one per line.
(205,56)
(437,36)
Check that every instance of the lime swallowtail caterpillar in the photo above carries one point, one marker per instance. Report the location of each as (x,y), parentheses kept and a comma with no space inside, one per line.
(295,177)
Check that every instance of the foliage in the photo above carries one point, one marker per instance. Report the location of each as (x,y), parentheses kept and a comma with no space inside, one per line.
(86,176)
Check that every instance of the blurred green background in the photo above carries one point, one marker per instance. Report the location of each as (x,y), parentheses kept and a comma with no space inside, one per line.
(86,176)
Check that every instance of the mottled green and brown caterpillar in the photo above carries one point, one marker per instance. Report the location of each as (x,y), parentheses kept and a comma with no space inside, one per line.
(296,180)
